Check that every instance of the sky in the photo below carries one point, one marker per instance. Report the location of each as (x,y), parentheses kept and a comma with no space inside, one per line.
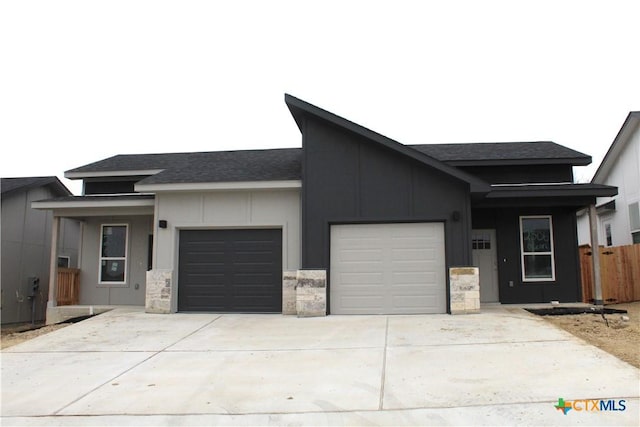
(81,81)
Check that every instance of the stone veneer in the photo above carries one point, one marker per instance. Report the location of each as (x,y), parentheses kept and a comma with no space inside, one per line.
(304,293)
(289,283)
(465,290)
(158,296)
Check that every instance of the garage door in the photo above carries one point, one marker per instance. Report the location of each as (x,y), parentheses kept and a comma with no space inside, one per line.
(387,269)
(230,270)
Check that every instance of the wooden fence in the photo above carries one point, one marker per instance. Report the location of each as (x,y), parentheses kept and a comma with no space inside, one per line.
(619,273)
(68,286)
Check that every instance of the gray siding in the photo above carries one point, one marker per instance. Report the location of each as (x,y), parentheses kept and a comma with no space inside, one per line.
(349,179)
(93,293)
(566,287)
(226,209)
(26,248)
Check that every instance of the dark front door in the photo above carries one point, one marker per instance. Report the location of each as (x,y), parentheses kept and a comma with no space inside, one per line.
(231,270)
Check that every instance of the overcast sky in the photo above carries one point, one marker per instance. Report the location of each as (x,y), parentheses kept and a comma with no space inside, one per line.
(81,81)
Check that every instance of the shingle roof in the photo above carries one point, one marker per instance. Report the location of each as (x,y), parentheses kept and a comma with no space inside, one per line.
(233,166)
(9,185)
(285,163)
(495,153)
(215,166)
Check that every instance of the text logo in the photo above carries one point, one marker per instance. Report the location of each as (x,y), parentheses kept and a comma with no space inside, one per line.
(590,405)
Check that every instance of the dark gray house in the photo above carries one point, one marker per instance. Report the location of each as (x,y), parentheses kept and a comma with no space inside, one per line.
(385,221)
(26,246)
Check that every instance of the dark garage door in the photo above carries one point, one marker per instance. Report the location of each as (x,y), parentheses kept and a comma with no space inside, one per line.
(236,270)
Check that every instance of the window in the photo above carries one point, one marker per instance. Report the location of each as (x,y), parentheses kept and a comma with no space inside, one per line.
(481,241)
(607,234)
(113,254)
(63,261)
(634,221)
(536,243)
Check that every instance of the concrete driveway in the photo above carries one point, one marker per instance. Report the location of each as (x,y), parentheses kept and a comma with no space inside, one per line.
(125,367)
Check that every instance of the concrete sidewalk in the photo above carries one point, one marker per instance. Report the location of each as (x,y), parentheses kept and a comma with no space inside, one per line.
(125,367)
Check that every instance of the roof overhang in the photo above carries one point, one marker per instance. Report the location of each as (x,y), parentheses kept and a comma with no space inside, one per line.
(547,194)
(300,109)
(523,162)
(219,186)
(105,174)
(82,206)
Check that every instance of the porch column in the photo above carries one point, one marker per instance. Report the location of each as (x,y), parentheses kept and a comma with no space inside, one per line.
(595,256)
(53,263)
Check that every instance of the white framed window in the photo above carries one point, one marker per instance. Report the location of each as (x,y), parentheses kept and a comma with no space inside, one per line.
(536,248)
(64,261)
(113,254)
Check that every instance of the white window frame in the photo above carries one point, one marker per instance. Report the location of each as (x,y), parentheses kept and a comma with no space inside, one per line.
(125,258)
(552,253)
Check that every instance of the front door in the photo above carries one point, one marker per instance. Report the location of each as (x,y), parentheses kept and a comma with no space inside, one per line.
(485,258)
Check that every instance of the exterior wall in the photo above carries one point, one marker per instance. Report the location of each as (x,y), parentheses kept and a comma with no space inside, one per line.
(512,289)
(225,209)
(584,229)
(349,179)
(624,174)
(26,248)
(522,173)
(133,291)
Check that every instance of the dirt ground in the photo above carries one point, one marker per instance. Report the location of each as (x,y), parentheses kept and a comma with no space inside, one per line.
(621,338)
(16,334)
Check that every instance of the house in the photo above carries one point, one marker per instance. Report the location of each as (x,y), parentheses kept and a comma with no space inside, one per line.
(382,221)
(26,246)
(618,220)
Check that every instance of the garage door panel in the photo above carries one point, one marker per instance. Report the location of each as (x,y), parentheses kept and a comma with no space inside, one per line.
(406,276)
(231,270)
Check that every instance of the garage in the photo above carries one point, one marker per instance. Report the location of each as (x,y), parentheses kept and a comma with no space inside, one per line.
(387,268)
(230,270)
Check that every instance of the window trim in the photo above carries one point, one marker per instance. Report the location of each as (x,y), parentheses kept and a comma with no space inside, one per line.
(551,253)
(125,258)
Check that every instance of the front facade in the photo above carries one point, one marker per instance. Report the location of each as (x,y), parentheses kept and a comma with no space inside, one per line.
(618,221)
(384,222)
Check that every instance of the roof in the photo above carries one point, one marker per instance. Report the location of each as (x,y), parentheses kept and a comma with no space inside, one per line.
(617,146)
(216,166)
(12,185)
(504,153)
(301,109)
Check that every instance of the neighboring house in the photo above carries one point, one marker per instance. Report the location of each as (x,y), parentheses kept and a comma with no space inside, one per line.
(26,246)
(385,221)
(618,216)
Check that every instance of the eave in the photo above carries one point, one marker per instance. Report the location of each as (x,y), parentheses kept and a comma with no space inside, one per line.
(218,186)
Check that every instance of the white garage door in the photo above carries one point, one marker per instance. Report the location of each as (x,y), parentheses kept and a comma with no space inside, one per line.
(388,269)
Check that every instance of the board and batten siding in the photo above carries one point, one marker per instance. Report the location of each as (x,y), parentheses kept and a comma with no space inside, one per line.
(93,293)
(225,209)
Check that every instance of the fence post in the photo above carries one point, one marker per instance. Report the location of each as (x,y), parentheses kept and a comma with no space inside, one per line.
(595,256)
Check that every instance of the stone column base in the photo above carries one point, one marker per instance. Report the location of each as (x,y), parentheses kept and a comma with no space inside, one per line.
(158,296)
(304,293)
(465,290)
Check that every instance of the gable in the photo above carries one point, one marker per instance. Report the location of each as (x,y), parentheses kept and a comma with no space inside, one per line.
(303,111)
(628,135)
